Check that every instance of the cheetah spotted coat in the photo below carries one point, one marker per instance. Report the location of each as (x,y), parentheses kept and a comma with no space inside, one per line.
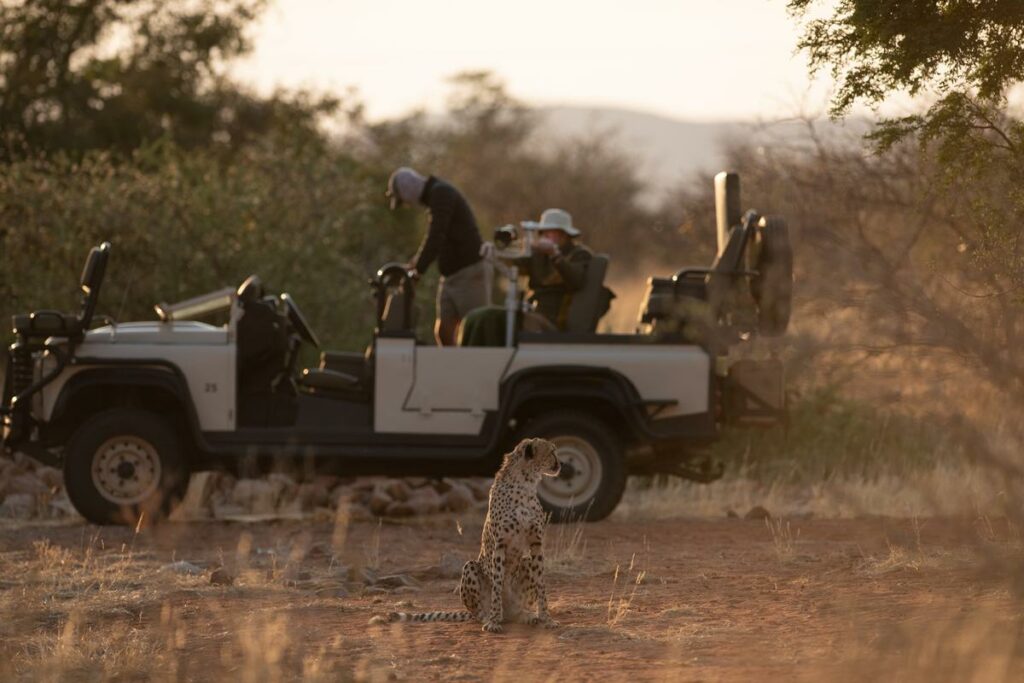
(507,578)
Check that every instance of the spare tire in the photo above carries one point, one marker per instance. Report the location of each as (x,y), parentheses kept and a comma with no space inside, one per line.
(772,287)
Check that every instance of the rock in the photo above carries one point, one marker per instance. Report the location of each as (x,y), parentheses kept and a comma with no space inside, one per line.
(18,506)
(399,509)
(312,495)
(359,513)
(328,481)
(395,581)
(397,489)
(221,577)
(226,483)
(62,504)
(285,488)
(341,493)
(332,592)
(459,498)
(318,550)
(417,482)
(481,487)
(368,484)
(367,575)
(27,484)
(51,476)
(425,501)
(182,567)
(255,495)
(296,574)
(226,510)
(379,502)
(758,512)
(196,503)
(450,567)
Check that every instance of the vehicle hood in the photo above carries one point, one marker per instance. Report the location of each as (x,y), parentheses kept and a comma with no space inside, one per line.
(187,332)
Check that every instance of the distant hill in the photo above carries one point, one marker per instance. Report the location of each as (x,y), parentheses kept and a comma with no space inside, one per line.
(671,150)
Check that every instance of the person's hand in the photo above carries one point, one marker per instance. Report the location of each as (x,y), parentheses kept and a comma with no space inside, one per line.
(487,250)
(545,246)
(413,273)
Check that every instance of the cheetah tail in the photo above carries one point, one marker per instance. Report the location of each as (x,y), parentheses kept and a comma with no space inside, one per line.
(431,616)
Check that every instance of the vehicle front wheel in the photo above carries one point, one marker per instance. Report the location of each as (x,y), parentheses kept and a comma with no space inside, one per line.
(122,464)
(593,471)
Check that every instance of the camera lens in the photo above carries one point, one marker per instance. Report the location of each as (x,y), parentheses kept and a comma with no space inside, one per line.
(504,235)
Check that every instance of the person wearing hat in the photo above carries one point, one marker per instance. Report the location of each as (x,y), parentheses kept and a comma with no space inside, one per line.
(453,240)
(556,267)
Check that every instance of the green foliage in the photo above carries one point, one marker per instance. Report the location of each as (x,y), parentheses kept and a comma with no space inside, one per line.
(117,74)
(965,53)
(877,47)
(307,219)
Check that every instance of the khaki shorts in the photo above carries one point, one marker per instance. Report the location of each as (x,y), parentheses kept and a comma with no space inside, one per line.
(464,290)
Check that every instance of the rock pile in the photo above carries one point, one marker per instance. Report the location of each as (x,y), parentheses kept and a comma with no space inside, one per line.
(29,490)
(221,496)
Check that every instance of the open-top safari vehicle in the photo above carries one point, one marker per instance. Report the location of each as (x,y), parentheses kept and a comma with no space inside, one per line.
(128,410)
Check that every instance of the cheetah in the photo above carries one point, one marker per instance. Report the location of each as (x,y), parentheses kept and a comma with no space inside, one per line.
(507,579)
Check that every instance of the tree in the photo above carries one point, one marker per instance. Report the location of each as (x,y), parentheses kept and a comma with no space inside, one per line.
(966,53)
(77,75)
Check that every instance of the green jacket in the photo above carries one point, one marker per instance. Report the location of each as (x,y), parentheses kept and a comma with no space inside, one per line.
(553,280)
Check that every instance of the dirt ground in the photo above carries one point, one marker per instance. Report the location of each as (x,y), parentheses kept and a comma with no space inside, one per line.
(687,599)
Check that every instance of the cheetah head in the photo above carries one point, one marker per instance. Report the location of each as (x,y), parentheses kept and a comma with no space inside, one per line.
(535,457)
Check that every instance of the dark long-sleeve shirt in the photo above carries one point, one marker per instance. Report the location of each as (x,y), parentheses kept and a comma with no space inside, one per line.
(453,238)
(552,281)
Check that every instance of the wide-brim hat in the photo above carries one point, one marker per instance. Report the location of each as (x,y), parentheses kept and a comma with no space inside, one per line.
(553,219)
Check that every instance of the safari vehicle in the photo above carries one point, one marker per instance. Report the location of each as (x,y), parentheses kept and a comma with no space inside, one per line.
(130,409)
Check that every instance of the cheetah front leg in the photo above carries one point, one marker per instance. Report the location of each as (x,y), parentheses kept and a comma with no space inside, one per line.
(493,623)
(535,593)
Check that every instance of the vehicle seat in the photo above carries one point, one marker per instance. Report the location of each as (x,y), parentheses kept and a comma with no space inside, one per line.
(593,300)
(341,373)
(394,313)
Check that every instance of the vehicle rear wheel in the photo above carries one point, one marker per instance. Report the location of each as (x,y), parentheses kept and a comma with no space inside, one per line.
(593,471)
(122,464)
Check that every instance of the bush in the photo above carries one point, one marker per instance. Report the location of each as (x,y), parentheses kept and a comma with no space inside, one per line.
(308,220)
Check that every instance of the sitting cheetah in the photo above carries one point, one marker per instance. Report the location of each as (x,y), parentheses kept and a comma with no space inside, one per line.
(507,578)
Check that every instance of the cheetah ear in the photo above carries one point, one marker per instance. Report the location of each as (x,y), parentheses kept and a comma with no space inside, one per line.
(527,449)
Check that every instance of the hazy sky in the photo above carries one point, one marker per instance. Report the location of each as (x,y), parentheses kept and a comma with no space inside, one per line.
(690,59)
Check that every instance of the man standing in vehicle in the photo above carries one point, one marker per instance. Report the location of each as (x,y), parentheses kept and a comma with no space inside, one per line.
(453,239)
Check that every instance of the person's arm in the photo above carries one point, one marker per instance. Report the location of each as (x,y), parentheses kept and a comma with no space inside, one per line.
(442,208)
(572,268)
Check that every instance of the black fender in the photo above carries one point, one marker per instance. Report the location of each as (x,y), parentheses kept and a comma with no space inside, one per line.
(608,393)
(120,381)
(576,387)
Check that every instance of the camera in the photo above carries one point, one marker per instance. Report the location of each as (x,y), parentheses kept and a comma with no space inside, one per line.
(505,235)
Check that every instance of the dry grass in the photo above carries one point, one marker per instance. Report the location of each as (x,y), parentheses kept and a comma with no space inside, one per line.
(783,537)
(941,490)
